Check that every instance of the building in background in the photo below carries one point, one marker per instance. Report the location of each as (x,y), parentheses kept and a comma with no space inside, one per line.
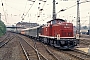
(26,24)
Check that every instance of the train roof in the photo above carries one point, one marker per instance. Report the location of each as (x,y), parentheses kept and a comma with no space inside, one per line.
(31,28)
(35,27)
(57,19)
(24,29)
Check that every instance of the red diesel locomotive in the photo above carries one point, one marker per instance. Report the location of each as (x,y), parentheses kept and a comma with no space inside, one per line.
(59,33)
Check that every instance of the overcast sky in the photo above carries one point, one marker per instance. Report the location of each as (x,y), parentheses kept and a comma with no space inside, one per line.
(12,11)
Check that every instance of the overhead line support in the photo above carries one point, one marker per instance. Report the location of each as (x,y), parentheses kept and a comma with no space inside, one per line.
(78,19)
(54,12)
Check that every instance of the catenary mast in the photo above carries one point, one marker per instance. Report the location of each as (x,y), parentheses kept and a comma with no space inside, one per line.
(54,11)
(78,19)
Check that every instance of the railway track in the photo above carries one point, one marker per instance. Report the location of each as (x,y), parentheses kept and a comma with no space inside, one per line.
(85,36)
(42,50)
(6,40)
(4,37)
(45,51)
(60,55)
(85,41)
(73,54)
(67,55)
(30,52)
(78,55)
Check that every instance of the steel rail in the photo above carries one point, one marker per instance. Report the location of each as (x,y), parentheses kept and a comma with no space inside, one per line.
(25,53)
(50,52)
(73,55)
(38,53)
(79,51)
(5,41)
(5,38)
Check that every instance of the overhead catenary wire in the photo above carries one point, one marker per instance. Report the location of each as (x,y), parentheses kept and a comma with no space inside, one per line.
(44,4)
(25,7)
(69,7)
(43,19)
(29,9)
(72,6)
(66,9)
(41,9)
(74,12)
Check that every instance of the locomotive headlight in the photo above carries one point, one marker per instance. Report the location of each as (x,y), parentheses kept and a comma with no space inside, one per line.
(62,42)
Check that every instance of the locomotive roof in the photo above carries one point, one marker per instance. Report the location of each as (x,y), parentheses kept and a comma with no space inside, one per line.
(56,19)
